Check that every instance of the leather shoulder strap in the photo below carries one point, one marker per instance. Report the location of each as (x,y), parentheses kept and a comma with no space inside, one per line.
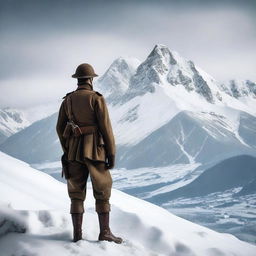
(69,107)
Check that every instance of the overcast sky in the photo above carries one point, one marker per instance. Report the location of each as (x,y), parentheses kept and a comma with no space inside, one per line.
(42,42)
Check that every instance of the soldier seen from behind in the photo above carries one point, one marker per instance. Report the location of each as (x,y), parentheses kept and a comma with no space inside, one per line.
(87,139)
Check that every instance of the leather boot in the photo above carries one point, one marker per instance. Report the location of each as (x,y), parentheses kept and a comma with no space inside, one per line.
(77,219)
(105,232)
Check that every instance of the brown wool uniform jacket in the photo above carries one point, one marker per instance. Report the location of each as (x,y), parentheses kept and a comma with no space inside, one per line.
(88,108)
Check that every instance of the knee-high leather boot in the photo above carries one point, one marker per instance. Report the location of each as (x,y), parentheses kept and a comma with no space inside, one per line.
(77,219)
(105,232)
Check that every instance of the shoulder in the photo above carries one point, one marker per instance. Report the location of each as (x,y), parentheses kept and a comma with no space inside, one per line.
(99,94)
(98,99)
(67,94)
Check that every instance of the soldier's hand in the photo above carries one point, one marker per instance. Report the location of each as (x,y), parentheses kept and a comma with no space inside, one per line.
(110,161)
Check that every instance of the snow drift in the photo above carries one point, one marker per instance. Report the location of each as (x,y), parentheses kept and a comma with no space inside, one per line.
(34,220)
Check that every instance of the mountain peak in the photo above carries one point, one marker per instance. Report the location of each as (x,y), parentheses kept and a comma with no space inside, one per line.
(122,65)
(160,48)
(133,63)
(163,52)
(126,77)
(115,81)
(168,68)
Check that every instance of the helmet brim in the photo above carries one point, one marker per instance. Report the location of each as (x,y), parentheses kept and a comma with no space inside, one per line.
(77,76)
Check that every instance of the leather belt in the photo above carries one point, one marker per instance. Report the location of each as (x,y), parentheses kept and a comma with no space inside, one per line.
(78,130)
(88,129)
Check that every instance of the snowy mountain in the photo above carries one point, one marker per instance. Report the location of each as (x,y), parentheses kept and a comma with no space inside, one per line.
(36,143)
(157,93)
(166,101)
(11,121)
(114,83)
(163,66)
(235,172)
(191,137)
(35,219)
(240,88)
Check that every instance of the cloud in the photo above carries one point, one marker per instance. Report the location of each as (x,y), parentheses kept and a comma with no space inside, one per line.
(42,42)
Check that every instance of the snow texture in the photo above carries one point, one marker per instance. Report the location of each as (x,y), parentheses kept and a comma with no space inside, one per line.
(35,221)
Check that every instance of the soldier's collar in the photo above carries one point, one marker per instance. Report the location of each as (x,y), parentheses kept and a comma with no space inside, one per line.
(85,86)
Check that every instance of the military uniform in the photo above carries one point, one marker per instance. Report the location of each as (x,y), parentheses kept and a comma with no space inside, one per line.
(86,154)
(88,143)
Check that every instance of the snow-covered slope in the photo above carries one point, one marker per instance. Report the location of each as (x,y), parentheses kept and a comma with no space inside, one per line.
(231,211)
(240,88)
(222,197)
(192,137)
(189,137)
(163,85)
(234,172)
(36,143)
(11,121)
(35,221)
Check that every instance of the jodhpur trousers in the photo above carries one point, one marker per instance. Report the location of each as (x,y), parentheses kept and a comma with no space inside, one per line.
(101,184)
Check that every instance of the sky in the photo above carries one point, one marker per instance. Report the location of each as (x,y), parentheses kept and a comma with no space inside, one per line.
(42,42)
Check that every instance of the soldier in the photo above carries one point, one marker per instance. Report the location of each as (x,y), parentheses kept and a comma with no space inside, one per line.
(87,139)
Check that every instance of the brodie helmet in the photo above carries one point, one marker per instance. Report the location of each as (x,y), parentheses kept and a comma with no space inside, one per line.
(84,70)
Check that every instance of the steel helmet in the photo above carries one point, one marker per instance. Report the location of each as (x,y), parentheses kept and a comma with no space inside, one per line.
(84,70)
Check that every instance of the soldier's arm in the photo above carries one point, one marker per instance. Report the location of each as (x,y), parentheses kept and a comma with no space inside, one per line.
(104,124)
(61,124)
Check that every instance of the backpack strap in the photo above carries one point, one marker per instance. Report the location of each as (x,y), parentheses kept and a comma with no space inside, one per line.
(75,128)
(69,108)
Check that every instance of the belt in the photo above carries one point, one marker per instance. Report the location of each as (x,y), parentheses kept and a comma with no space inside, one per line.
(88,129)
(78,130)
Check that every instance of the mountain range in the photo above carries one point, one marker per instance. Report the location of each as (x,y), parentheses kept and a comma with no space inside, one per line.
(164,110)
